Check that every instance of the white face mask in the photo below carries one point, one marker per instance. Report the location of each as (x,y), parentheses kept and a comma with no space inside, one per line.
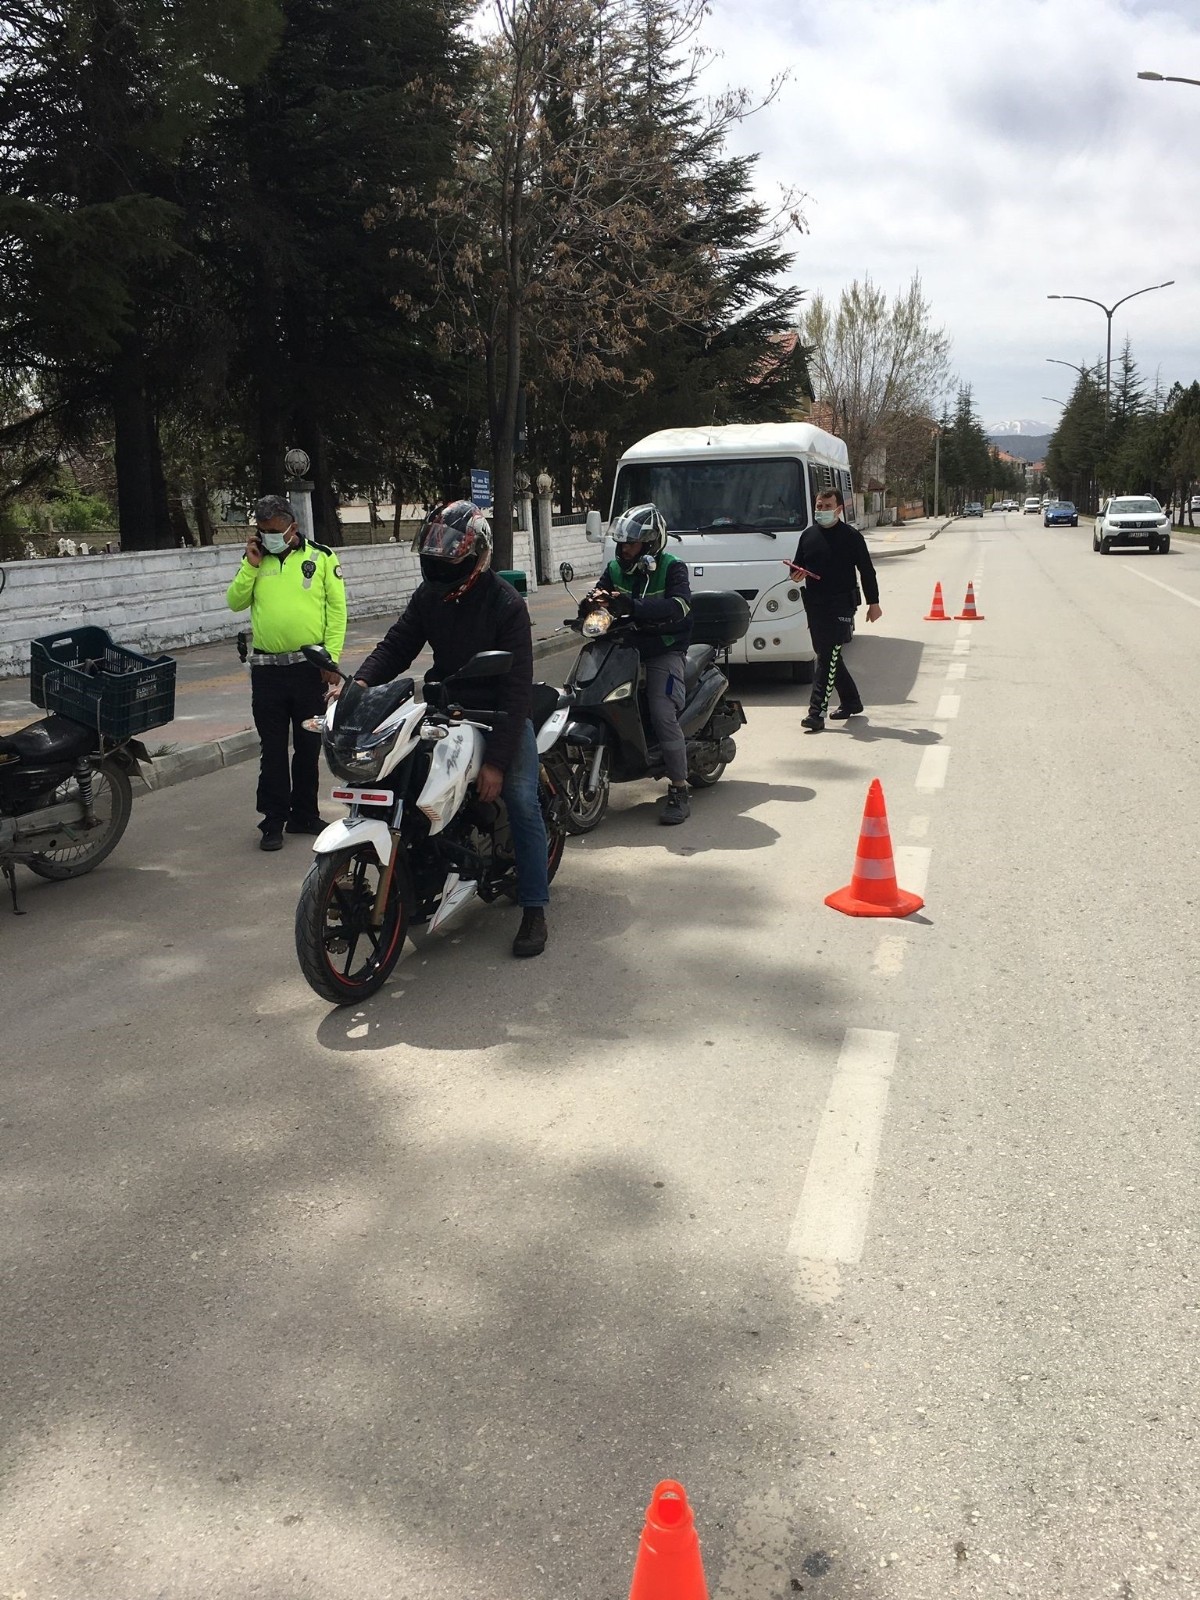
(826,519)
(275,543)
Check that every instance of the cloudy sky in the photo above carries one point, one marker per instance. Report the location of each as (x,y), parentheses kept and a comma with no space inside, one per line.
(1005,149)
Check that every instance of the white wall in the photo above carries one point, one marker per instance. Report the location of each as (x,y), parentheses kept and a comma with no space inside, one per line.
(165,599)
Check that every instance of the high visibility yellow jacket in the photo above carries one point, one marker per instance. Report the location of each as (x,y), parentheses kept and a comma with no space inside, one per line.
(295,599)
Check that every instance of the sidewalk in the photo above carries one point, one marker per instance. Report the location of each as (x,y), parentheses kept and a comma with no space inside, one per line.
(213,728)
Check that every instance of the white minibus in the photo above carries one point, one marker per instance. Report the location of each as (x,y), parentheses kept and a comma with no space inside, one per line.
(735,499)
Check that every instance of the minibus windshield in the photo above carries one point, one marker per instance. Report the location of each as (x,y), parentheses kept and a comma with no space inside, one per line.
(720,496)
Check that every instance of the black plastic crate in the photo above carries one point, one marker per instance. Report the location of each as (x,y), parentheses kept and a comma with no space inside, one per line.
(83,675)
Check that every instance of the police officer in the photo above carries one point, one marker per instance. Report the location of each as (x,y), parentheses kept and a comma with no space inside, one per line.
(296,597)
(831,556)
(647,583)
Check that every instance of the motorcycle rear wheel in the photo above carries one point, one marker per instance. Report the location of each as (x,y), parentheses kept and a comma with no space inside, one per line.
(112,801)
(584,813)
(703,777)
(555,816)
(343,957)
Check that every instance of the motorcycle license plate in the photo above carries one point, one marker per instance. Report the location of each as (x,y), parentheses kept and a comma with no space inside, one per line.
(364,797)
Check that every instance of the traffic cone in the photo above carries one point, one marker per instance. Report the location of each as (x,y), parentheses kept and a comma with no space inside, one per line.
(968,612)
(668,1563)
(873,890)
(937,612)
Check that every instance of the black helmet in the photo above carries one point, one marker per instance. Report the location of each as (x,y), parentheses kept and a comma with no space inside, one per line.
(644,525)
(455,547)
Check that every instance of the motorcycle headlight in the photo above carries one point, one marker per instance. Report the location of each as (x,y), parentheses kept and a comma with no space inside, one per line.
(596,624)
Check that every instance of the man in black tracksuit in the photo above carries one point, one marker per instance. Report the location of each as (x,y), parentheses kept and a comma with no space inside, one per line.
(831,556)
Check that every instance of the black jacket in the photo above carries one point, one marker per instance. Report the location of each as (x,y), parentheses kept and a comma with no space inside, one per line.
(490,616)
(654,615)
(839,556)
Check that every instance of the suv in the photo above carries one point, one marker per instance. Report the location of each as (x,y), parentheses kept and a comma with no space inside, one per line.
(1132,519)
(1032,506)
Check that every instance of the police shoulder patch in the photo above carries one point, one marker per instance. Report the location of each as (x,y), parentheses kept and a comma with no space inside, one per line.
(337,571)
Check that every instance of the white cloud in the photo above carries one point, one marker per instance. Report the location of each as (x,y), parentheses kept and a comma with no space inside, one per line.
(1003,150)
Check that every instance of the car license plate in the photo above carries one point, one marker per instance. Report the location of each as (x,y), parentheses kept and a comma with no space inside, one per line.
(363,797)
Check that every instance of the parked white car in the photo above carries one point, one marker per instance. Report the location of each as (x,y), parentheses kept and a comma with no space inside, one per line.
(1132,519)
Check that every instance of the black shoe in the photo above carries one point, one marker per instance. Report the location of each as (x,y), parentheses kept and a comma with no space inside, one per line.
(843,712)
(312,825)
(678,807)
(531,935)
(814,724)
(272,839)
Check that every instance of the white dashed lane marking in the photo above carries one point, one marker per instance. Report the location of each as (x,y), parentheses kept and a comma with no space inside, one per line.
(947,707)
(931,774)
(1159,584)
(956,670)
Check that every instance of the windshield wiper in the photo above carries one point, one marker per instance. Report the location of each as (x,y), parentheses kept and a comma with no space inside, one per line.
(723,525)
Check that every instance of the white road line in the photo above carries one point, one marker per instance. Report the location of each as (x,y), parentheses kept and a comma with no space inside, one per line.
(956,670)
(1158,584)
(912,866)
(831,1219)
(931,774)
(962,647)
(947,707)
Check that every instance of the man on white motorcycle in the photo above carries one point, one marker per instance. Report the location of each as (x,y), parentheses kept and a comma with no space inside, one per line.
(651,586)
(461,608)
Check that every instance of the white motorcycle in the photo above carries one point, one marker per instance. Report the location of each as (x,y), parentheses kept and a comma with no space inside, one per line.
(418,844)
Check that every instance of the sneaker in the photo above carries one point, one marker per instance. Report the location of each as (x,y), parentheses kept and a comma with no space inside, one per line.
(531,935)
(311,825)
(814,724)
(843,712)
(678,807)
(272,839)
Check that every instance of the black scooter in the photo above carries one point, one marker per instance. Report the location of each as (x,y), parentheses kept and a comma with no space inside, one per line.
(608,734)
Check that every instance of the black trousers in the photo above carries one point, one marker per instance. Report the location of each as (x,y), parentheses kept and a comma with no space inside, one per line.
(830,635)
(281,697)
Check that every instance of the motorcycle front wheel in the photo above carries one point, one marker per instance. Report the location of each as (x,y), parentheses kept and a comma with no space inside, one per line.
(342,954)
(112,803)
(587,811)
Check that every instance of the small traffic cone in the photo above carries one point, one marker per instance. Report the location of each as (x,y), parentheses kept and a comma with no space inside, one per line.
(873,890)
(937,612)
(968,612)
(668,1560)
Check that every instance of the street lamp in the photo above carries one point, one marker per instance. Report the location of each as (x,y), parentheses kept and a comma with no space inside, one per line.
(1161,77)
(1108,312)
(1084,372)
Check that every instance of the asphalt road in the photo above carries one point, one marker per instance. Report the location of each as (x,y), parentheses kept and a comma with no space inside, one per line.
(879,1235)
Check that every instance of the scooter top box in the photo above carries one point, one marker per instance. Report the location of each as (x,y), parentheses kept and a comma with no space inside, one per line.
(83,675)
(719,616)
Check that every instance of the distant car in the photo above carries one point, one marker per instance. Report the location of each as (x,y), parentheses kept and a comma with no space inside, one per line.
(1032,506)
(1196,502)
(1132,520)
(972,509)
(999,505)
(1060,512)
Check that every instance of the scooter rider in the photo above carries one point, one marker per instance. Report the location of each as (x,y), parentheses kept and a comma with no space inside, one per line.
(461,608)
(648,584)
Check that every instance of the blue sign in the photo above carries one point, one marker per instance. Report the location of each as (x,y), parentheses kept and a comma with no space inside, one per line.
(481,487)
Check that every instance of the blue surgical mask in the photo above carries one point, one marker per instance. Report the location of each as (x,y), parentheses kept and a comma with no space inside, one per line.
(275,543)
(826,519)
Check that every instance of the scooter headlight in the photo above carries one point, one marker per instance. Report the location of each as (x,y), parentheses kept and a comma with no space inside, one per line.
(621,692)
(596,624)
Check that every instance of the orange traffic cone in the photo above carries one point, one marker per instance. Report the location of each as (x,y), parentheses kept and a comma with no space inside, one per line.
(873,890)
(937,611)
(668,1560)
(968,612)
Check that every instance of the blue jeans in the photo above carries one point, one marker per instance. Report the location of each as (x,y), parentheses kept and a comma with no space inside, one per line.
(520,793)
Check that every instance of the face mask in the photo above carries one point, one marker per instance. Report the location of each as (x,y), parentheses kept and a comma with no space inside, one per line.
(826,519)
(275,543)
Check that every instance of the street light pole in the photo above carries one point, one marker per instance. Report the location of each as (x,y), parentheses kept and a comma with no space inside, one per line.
(1160,77)
(1108,312)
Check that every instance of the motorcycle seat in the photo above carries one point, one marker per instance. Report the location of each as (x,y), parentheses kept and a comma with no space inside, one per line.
(546,701)
(50,740)
(696,662)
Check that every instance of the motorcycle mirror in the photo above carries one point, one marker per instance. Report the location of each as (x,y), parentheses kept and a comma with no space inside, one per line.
(566,571)
(319,656)
(487,664)
(592,530)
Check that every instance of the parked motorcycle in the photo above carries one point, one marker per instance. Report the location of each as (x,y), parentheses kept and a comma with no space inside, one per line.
(608,737)
(65,790)
(418,844)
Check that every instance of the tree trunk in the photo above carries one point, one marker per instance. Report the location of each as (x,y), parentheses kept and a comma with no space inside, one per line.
(326,523)
(136,450)
(504,440)
(200,505)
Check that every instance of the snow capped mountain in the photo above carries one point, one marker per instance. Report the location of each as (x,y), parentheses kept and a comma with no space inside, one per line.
(1020,425)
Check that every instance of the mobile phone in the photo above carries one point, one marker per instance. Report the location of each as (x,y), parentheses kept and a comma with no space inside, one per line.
(798,571)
